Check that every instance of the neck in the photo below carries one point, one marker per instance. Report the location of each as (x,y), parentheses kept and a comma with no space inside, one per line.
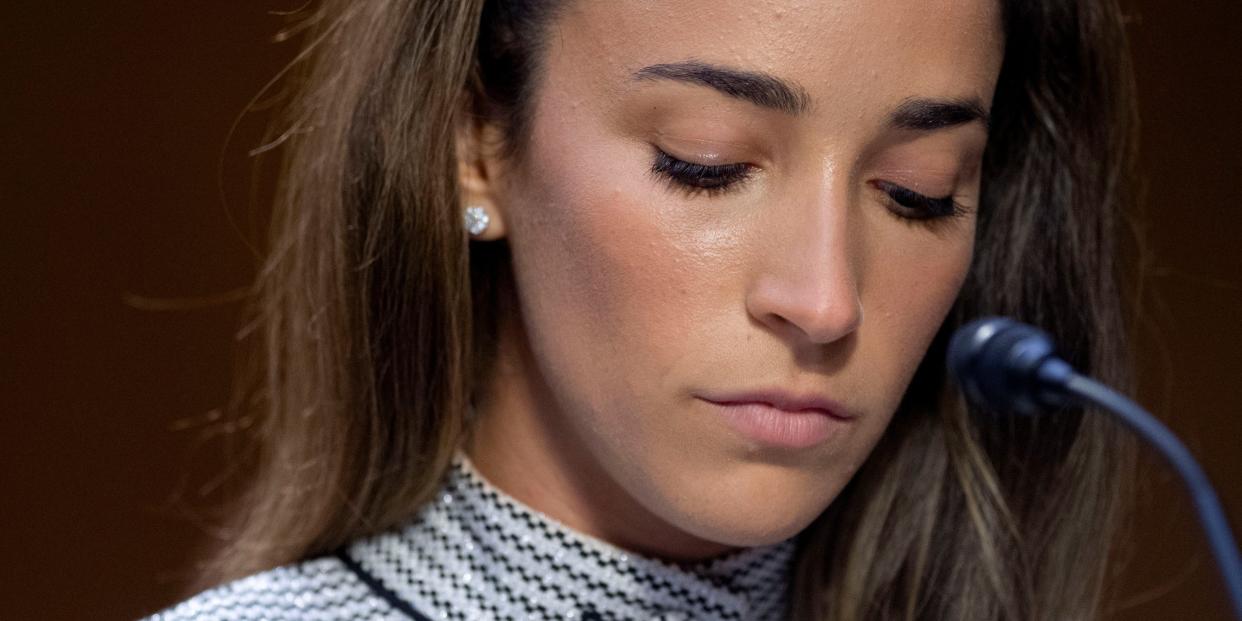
(520,445)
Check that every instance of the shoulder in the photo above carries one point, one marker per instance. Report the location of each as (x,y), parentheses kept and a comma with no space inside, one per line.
(321,588)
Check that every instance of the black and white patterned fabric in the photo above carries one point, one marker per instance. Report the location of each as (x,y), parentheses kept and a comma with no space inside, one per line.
(477,553)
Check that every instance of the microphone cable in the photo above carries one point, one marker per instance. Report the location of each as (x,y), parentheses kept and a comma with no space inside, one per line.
(1010,366)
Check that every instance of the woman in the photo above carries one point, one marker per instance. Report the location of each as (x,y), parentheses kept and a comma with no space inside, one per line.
(600,309)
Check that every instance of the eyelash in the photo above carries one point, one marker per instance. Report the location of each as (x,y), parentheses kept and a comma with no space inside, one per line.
(695,179)
(918,206)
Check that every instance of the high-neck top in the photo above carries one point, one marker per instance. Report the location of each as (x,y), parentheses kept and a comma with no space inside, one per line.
(475,552)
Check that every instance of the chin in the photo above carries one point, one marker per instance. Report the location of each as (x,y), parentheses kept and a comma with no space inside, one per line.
(752,504)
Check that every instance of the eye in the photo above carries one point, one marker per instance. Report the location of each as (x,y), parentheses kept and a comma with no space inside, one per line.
(911,205)
(694,178)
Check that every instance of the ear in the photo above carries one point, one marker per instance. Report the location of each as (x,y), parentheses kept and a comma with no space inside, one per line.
(478,173)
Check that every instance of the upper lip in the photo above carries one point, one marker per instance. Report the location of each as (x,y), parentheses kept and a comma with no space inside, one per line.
(783,400)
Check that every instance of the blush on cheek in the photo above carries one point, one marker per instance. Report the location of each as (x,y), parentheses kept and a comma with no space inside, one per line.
(592,265)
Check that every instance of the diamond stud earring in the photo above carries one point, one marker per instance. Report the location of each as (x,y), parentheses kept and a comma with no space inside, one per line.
(476,220)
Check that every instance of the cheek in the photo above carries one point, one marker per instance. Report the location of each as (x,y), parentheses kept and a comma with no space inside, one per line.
(909,292)
(604,276)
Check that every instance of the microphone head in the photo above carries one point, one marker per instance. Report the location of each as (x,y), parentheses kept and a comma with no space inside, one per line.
(998,362)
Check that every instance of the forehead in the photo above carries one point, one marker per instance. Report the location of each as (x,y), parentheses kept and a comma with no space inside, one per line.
(843,53)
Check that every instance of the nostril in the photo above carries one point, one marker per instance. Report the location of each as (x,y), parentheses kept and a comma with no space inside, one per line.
(830,321)
(790,312)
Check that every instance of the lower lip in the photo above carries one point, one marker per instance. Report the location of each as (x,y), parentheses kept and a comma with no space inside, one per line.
(775,427)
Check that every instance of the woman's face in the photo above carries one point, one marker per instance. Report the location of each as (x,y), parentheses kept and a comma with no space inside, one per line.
(735,230)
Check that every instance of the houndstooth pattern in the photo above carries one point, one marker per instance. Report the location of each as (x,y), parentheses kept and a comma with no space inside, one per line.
(320,589)
(477,553)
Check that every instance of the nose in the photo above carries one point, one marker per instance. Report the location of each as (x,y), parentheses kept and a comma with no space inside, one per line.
(806,287)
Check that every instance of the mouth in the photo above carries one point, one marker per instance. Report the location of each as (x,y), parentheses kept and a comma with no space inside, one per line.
(779,419)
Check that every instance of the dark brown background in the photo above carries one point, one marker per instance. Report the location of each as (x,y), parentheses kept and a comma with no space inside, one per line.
(114,119)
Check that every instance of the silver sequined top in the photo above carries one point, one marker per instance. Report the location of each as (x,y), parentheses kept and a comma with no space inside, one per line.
(477,553)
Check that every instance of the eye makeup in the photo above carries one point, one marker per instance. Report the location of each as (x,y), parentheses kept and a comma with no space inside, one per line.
(694,179)
(912,205)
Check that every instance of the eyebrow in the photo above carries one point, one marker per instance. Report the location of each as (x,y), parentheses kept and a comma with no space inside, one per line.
(768,91)
(762,89)
(933,114)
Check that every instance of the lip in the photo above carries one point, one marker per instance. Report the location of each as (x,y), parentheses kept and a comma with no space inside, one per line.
(782,419)
(784,401)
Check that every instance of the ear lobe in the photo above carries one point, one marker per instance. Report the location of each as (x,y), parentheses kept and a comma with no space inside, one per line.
(477,180)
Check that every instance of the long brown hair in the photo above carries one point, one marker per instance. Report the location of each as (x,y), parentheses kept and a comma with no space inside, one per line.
(378,316)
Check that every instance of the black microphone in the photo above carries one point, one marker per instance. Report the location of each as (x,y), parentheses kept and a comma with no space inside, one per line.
(1009,366)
